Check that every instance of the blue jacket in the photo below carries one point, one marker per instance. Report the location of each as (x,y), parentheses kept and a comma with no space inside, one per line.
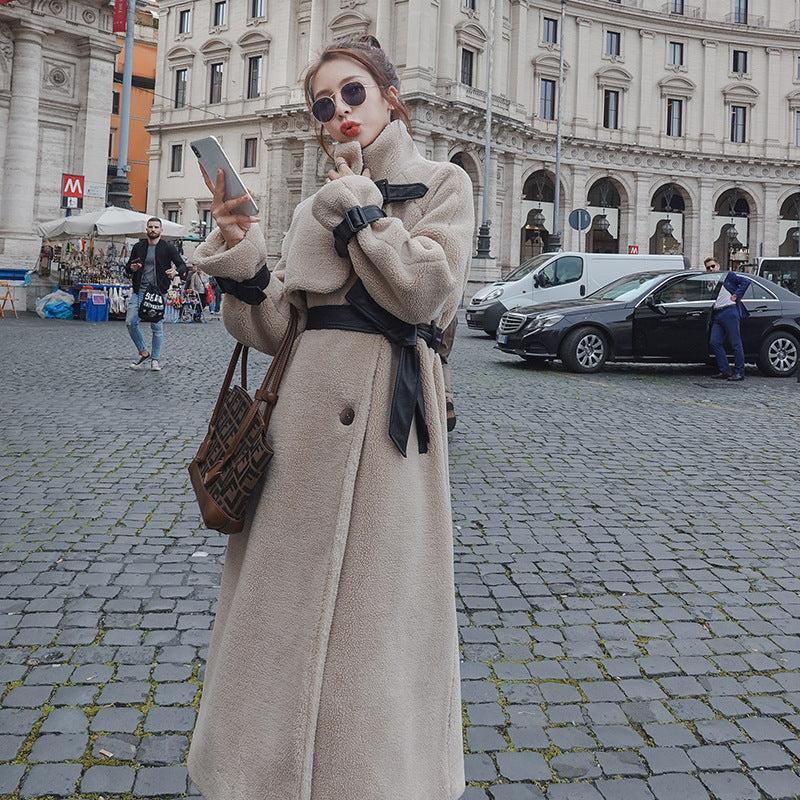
(736,285)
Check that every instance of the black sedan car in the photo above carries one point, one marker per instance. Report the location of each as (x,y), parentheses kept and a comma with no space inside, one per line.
(656,317)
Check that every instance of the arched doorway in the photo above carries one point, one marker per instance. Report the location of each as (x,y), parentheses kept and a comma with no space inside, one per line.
(537,204)
(732,228)
(604,203)
(468,163)
(666,220)
(789,226)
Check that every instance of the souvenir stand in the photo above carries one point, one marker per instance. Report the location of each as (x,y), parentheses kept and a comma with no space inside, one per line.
(91,251)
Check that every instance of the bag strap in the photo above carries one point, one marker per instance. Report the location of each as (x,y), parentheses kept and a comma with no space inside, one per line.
(268,393)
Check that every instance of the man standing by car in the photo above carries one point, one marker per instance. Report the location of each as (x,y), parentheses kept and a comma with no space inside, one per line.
(726,318)
(150,265)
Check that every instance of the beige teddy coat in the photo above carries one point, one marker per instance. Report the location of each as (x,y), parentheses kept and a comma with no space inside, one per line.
(333,670)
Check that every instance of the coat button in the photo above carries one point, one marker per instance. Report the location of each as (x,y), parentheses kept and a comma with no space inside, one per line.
(347,416)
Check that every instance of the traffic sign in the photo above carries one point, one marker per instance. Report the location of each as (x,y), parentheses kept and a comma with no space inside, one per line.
(579,219)
(633,249)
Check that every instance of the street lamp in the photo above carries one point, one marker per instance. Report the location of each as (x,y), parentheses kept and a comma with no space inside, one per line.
(484,237)
(555,238)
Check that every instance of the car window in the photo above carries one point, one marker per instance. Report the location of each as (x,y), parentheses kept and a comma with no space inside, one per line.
(526,267)
(755,291)
(563,270)
(629,287)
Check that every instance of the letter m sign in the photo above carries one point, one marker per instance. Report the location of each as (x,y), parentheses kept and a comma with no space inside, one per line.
(71,191)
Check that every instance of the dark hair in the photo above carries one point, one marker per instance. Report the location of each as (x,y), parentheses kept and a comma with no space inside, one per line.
(367,51)
(155,219)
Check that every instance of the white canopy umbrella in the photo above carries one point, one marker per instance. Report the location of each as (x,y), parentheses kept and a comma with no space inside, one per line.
(110,221)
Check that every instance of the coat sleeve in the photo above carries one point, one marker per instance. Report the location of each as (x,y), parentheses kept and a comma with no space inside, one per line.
(259,326)
(134,255)
(416,272)
(741,283)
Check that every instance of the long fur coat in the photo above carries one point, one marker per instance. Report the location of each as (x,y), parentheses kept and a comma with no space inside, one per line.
(333,670)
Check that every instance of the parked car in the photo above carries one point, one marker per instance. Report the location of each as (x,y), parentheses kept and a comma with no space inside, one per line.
(662,317)
(556,277)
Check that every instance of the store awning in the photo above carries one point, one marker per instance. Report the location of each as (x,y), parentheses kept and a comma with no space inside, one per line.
(111,221)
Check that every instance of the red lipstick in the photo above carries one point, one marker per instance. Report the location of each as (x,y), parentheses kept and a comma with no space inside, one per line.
(350,129)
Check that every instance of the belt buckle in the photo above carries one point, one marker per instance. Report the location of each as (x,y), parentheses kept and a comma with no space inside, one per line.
(355,219)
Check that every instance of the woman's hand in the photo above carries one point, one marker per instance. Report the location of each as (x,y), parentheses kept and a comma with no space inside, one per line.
(342,170)
(233,227)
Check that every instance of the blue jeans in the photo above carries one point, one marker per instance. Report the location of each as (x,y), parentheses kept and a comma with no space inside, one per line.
(132,321)
(725,328)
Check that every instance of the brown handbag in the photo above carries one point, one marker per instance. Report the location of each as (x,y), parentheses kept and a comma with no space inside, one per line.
(233,457)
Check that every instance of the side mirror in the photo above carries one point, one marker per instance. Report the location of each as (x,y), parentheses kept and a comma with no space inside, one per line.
(651,303)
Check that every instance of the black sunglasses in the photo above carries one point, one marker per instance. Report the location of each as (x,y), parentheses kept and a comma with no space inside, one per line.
(353,94)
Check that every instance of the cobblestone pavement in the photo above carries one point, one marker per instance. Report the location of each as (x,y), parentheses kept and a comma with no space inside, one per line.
(627,569)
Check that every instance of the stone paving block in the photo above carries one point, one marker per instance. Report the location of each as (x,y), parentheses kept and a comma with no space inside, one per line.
(50,779)
(624,789)
(479,767)
(65,720)
(571,737)
(616,736)
(762,755)
(484,739)
(122,747)
(667,759)
(524,766)
(108,780)
(10,778)
(765,729)
(572,791)
(160,781)
(729,786)
(621,762)
(574,765)
(116,720)
(671,786)
(59,747)
(782,784)
(515,791)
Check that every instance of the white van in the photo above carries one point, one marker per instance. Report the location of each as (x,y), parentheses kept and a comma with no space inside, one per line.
(783,270)
(555,277)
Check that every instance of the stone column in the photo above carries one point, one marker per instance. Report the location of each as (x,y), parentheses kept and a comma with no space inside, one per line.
(22,151)
(711,116)
(309,184)
(583,49)
(770,110)
(703,244)
(578,179)
(515,164)
(644,111)
(98,61)
(767,233)
(639,208)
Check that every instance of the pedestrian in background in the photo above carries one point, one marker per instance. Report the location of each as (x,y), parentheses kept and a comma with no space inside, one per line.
(152,264)
(333,669)
(726,316)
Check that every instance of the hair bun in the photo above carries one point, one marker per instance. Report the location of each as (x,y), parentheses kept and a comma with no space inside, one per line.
(369,40)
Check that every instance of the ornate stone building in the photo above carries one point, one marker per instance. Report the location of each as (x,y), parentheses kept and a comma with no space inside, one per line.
(56,72)
(680,120)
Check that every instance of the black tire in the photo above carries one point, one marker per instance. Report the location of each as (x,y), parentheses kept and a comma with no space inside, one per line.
(779,355)
(584,350)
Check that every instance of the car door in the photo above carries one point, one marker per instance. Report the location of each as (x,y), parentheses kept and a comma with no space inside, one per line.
(560,280)
(764,308)
(672,322)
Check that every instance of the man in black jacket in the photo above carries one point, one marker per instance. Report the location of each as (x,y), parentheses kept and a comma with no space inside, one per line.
(151,265)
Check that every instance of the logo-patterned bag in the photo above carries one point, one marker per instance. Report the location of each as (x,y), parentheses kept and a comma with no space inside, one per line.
(234,455)
(151,306)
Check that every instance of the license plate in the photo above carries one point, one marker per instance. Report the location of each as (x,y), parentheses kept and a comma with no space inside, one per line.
(501,338)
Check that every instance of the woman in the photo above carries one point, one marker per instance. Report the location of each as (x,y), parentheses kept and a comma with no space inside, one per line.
(333,670)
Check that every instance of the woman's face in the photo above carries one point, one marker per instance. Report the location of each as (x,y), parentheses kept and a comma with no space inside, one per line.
(361,123)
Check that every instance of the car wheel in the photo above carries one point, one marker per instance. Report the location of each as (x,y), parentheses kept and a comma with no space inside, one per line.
(779,354)
(584,350)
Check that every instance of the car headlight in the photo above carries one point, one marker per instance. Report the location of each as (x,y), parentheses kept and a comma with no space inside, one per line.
(545,321)
(493,295)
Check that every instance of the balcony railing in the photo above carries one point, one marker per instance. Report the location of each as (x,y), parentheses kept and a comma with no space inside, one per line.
(681,10)
(751,20)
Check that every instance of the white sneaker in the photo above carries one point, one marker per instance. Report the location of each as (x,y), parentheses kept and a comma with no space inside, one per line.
(155,366)
(138,363)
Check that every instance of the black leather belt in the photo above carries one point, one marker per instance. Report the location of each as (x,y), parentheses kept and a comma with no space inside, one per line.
(366,316)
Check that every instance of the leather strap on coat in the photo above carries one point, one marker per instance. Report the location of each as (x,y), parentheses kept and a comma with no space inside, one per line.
(250,291)
(365,315)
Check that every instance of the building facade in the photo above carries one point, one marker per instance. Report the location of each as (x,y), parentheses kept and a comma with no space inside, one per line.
(680,121)
(56,70)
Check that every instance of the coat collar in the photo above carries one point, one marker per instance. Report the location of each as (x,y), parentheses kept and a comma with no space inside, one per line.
(393,150)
